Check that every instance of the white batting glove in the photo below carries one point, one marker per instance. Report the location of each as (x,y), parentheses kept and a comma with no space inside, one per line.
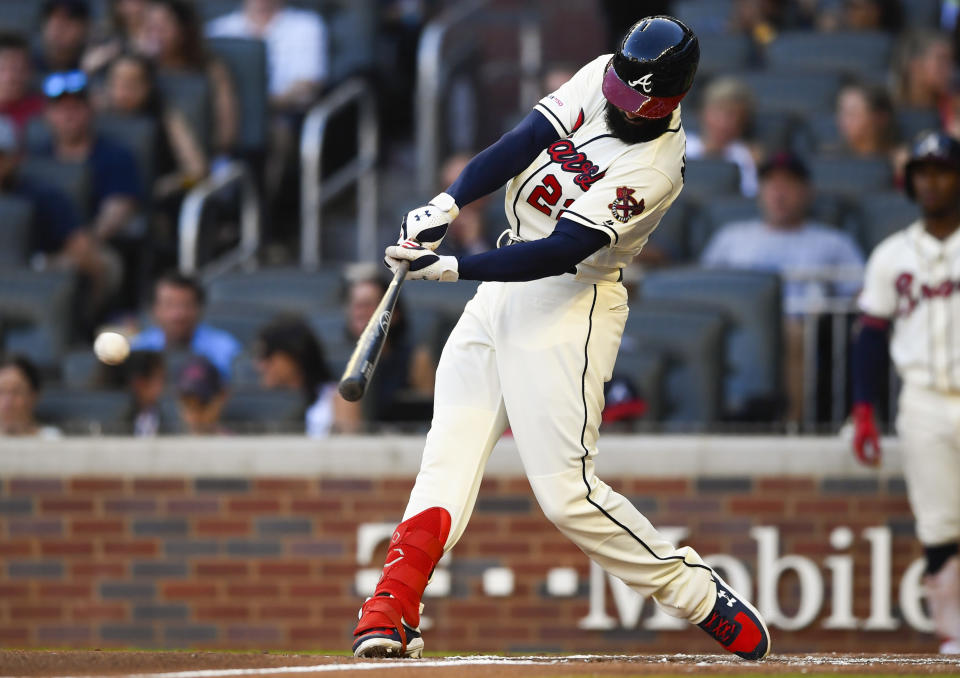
(428,224)
(424,263)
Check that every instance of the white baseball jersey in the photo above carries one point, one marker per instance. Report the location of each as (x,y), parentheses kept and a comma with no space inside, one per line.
(591,177)
(913,279)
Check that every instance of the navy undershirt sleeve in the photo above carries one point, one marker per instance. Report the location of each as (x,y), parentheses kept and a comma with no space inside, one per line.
(511,154)
(560,252)
(869,353)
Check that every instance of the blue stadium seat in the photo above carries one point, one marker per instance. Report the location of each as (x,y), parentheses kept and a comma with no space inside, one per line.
(280,290)
(692,342)
(722,53)
(189,93)
(789,92)
(36,313)
(15,219)
(750,302)
(247,61)
(645,370)
(445,298)
(841,52)
(671,235)
(138,134)
(882,214)
(704,16)
(714,215)
(84,411)
(910,122)
(850,176)
(71,178)
(260,411)
(706,178)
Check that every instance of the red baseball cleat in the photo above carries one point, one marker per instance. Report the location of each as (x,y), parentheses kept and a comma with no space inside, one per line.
(736,624)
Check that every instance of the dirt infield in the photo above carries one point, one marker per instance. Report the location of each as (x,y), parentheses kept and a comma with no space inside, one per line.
(216,665)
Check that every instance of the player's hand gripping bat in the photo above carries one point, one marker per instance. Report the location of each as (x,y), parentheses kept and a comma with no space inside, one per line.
(363,362)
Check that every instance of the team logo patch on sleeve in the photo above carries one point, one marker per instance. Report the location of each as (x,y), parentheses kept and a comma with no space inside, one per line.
(625,205)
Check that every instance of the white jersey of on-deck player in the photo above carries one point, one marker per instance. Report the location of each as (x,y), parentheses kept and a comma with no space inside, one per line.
(591,177)
(913,279)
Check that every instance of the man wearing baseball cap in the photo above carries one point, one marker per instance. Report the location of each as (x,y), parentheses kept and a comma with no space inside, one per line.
(784,239)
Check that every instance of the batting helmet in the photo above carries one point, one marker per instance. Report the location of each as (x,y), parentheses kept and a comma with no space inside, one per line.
(653,68)
(931,146)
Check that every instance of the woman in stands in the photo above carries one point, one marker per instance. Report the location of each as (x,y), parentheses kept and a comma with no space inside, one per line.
(175,43)
(19,390)
(124,31)
(179,159)
(289,356)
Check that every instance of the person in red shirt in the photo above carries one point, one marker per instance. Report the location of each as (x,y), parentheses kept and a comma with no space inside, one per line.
(17,101)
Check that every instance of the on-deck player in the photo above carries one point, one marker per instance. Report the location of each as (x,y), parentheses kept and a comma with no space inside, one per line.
(913,283)
(591,171)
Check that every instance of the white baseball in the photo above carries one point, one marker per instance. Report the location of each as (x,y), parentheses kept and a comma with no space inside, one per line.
(111,348)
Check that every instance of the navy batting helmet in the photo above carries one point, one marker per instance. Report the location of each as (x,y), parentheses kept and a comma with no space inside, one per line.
(931,146)
(653,68)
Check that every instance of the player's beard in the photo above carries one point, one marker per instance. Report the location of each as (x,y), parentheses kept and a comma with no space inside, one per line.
(634,132)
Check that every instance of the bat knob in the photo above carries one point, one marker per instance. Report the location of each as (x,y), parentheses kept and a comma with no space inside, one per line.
(351,389)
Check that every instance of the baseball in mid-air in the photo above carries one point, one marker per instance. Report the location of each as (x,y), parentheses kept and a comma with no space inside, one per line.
(111,348)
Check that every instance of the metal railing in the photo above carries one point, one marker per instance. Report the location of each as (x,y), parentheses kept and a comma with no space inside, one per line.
(237,176)
(316,192)
(434,68)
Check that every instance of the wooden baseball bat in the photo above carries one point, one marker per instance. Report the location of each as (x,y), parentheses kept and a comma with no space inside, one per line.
(360,367)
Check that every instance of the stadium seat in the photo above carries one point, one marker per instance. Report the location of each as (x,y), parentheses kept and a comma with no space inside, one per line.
(714,215)
(444,298)
(794,93)
(190,94)
(910,122)
(773,129)
(350,25)
(136,133)
(243,321)
(672,234)
(260,411)
(71,178)
(84,411)
(247,61)
(330,326)
(280,290)
(36,313)
(819,133)
(244,374)
(15,220)
(706,178)
(851,176)
(881,214)
(841,52)
(922,13)
(722,53)
(750,302)
(692,343)
(704,17)
(79,369)
(22,16)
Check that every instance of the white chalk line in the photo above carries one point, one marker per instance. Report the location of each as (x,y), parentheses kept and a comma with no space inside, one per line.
(547,660)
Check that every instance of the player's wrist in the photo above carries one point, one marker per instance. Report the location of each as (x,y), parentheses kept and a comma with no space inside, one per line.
(447,203)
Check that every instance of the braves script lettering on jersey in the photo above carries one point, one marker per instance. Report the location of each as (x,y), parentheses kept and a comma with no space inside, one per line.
(591,177)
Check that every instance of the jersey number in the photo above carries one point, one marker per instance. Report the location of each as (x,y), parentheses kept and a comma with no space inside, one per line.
(550,193)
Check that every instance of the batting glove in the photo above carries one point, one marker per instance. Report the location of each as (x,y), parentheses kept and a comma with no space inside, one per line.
(428,224)
(866,440)
(424,264)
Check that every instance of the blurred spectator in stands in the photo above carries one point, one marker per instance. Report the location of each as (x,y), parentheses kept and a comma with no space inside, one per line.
(124,31)
(786,241)
(289,356)
(760,20)
(19,391)
(174,40)
(865,120)
(65,28)
(923,71)
(297,48)
(17,101)
(404,377)
(468,232)
(724,122)
(177,306)
(57,237)
(179,158)
(201,396)
(115,191)
(146,378)
(860,15)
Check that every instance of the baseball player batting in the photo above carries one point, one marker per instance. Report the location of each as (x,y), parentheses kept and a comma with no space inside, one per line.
(589,172)
(913,284)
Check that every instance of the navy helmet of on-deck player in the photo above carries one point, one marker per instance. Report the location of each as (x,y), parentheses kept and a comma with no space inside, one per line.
(653,68)
(931,146)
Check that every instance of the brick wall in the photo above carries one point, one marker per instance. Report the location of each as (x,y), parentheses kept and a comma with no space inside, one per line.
(271,561)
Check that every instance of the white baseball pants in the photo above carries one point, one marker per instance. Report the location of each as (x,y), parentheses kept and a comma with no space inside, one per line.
(928,423)
(536,355)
